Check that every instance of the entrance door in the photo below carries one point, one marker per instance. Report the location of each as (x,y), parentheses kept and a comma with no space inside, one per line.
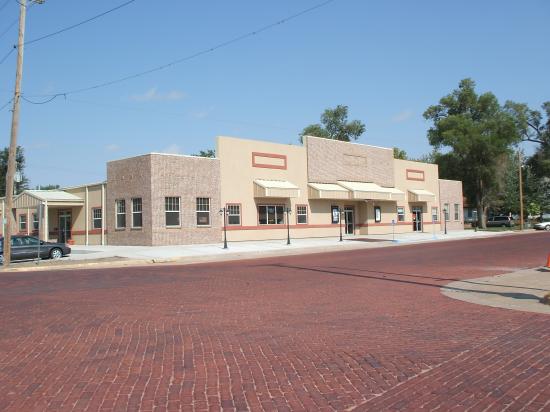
(417,219)
(65,222)
(348,219)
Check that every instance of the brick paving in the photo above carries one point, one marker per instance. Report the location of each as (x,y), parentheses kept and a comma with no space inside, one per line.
(364,330)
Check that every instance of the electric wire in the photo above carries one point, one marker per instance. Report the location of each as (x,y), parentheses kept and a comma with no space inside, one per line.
(6,104)
(194,55)
(79,24)
(44,102)
(8,54)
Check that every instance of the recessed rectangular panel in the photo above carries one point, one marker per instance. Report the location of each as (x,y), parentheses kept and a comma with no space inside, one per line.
(269,160)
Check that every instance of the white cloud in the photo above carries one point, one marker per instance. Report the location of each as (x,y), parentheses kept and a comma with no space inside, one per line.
(402,116)
(112,147)
(172,149)
(154,95)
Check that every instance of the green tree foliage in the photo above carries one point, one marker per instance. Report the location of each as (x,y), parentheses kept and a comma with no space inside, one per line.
(20,166)
(335,125)
(474,130)
(47,187)
(206,153)
(399,153)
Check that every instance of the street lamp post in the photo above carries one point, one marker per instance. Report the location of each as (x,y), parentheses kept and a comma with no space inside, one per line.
(445,219)
(288,212)
(223,211)
(520,193)
(340,213)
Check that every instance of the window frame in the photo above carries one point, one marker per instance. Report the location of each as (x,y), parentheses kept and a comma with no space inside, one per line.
(95,219)
(275,206)
(35,222)
(401,216)
(174,211)
(457,212)
(446,212)
(435,214)
(23,222)
(202,212)
(228,207)
(120,214)
(306,214)
(135,213)
(377,214)
(332,215)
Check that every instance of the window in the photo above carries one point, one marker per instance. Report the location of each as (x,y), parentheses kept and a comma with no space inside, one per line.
(446,211)
(137,215)
(435,215)
(97,215)
(335,213)
(203,211)
(377,214)
(172,211)
(233,215)
(271,215)
(35,222)
(22,223)
(400,214)
(457,211)
(301,214)
(120,214)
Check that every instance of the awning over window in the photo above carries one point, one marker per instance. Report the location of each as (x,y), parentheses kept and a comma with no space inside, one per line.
(371,191)
(327,191)
(420,195)
(275,188)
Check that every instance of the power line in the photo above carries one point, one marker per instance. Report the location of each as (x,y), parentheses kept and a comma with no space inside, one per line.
(194,55)
(6,104)
(13,23)
(79,24)
(8,54)
(44,102)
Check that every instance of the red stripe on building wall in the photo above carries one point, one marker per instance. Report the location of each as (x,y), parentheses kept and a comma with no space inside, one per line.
(256,163)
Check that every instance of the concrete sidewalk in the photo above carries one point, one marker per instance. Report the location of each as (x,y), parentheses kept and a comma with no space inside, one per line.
(521,290)
(111,256)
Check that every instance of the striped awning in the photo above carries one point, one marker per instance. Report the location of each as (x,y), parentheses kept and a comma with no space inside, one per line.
(275,188)
(327,191)
(420,195)
(371,191)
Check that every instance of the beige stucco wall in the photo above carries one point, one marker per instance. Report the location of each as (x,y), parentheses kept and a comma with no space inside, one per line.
(79,215)
(332,160)
(451,193)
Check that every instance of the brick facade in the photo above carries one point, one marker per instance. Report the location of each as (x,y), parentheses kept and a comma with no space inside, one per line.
(330,160)
(152,177)
(450,192)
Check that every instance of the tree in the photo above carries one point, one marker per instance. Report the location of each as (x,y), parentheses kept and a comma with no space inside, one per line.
(399,154)
(20,166)
(47,187)
(334,125)
(475,130)
(530,123)
(206,153)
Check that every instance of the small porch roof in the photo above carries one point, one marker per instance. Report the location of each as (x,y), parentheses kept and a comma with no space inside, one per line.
(33,198)
(275,188)
(327,191)
(371,191)
(420,195)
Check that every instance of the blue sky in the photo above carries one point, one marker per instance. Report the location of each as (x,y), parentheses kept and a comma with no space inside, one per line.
(387,60)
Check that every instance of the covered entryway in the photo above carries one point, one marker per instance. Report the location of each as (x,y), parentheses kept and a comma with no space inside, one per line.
(349,220)
(417,218)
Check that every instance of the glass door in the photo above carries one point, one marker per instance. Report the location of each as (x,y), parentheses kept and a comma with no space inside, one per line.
(349,220)
(417,219)
(65,221)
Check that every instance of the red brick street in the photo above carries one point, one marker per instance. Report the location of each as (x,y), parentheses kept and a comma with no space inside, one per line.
(353,330)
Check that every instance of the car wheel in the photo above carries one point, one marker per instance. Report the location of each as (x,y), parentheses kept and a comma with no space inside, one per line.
(1,259)
(503,225)
(547,227)
(56,253)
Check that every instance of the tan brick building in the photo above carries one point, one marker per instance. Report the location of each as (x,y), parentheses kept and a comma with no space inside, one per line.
(315,189)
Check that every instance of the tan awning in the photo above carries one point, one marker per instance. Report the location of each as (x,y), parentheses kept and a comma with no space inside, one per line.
(371,191)
(275,188)
(32,198)
(420,195)
(327,191)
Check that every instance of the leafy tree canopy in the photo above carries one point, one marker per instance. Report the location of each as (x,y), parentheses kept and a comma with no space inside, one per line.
(399,153)
(334,125)
(475,131)
(20,166)
(206,153)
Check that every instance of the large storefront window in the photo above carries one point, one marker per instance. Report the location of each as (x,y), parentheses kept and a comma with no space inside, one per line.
(271,215)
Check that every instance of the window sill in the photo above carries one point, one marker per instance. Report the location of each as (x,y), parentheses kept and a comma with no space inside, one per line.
(136,228)
(120,229)
(172,227)
(206,226)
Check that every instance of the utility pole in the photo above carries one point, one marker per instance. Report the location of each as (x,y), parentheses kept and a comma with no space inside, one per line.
(520,193)
(13,139)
